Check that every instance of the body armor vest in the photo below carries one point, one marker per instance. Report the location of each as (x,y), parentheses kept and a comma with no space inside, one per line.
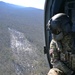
(67,54)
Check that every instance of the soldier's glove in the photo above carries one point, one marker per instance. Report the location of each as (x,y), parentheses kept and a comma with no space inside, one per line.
(60,65)
(55,71)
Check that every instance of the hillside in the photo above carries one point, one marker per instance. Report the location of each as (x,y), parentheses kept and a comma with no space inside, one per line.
(26,20)
(18,24)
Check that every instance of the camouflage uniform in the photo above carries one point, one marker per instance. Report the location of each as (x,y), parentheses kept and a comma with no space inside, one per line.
(63,50)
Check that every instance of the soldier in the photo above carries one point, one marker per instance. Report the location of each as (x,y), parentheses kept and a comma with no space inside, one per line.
(62,52)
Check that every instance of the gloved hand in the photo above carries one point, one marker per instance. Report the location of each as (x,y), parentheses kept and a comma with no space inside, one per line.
(60,69)
(55,71)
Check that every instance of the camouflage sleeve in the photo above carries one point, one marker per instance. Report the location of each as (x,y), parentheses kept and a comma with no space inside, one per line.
(52,44)
(53,52)
(55,45)
(54,55)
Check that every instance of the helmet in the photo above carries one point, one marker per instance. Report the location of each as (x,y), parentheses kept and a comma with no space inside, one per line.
(60,23)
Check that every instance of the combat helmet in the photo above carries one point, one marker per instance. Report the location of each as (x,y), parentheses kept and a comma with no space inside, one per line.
(60,23)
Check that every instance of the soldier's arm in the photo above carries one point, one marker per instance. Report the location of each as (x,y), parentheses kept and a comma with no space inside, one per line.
(54,53)
(57,63)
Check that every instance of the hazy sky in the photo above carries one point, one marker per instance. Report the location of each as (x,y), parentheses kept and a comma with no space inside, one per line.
(27,3)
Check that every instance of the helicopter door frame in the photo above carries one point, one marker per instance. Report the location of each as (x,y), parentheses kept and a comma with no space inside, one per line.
(47,32)
(52,7)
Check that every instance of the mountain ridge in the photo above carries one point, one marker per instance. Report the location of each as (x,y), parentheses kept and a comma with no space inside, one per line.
(17,6)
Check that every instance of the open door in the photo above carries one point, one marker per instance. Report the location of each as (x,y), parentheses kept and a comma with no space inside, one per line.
(53,7)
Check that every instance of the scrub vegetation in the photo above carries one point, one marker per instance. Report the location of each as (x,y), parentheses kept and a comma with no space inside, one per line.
(30,22)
